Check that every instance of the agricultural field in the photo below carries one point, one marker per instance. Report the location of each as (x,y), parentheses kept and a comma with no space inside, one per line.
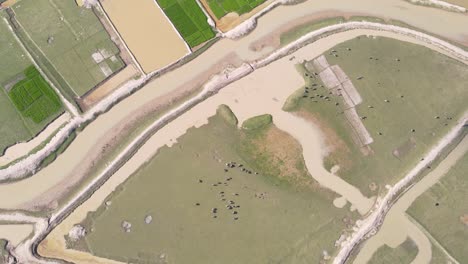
(34,98)
(70,43)
(443,210)
(403,254)
(216,196)
(411,96)
(222,7)
(20,123)
(189,20)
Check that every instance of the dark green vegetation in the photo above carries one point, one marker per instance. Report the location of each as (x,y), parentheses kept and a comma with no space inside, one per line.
(425,92)
(221,7)
(403,254)
(63,38)
(443,211)
(3,252)
(189,20)
(187,190)
(34,98)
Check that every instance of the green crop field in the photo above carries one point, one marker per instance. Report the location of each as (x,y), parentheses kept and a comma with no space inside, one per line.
(403,254)
(221,7)
(411,96)
(189,20)
(443,210)
(34,98)
(64,38)
(206,209)
(13,61)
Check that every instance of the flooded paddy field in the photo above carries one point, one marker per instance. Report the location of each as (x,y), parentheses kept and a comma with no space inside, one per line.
(443,212)
(411,96)
(219,194)
(153,49)
(69,43)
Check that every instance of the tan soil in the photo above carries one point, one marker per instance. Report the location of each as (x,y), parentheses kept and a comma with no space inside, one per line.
(464,219)
(15,233)
(108,87)
(8,3)
(338,151)
(145,29)
(285,153)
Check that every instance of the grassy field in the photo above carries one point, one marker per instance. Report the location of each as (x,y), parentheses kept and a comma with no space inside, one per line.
(12,57)
(221,7)
(19,124)
(403,254)
(70,43)
(187,190)
(443,210)
(425,93)
(189,20)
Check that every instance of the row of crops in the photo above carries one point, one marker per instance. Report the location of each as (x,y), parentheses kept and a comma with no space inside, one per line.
(189,20)
(33,96)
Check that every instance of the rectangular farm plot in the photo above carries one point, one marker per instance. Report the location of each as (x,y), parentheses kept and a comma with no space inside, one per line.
(68,38)
(12,58)
(147,32)
(34,98)
(222,7)
(189,20)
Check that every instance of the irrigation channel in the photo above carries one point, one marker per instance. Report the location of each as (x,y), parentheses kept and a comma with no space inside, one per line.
(15,195)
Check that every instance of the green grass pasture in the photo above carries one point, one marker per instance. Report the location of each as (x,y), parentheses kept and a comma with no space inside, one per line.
(426,91)
(221,7)
(189,20)
(278,220)
(443,210)
(65,37)
(403,254)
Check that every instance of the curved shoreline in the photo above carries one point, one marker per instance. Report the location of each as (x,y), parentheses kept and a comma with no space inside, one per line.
(245,70)
(276,55)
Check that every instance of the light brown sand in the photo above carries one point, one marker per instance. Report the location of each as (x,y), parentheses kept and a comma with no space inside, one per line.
(21,149)
(108,87)
(148,33)
(397,227)
(15,233)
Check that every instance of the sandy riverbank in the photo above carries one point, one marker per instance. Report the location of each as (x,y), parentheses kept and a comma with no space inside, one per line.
(21,149)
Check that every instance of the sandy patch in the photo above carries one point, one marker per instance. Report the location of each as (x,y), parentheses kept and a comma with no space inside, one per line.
(15,233)
(340,202)
(21,149)
(147,32)
(108,87)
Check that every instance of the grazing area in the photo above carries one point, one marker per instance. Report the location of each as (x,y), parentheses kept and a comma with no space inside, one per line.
(189,20)
(222,7)
(405,98)
(70,43)
(403,254)
(443,210)
(220,194)
(152,51)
